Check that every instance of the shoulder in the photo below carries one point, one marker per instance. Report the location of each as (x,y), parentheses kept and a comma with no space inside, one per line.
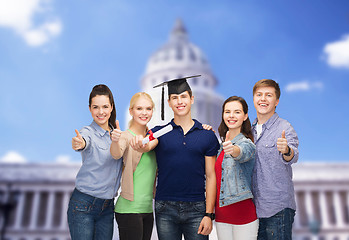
(158,127)
(87,131)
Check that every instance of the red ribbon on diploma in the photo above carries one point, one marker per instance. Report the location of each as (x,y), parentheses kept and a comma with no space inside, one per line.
(151,137)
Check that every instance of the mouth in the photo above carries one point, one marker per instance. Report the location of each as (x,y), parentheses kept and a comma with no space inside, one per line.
(143,118)
(231,121)
(263,105)
(101,117)
(180,107)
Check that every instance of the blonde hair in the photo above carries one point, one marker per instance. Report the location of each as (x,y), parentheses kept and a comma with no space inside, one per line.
(135,98)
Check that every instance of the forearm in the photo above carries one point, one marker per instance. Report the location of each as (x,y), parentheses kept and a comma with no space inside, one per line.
(210,193)
(115,150)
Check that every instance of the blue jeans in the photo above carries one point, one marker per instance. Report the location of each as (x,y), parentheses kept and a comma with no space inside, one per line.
(174,219)
(277,227)
(90,218)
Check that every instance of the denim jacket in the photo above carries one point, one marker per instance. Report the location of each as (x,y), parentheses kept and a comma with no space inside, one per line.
(237,172)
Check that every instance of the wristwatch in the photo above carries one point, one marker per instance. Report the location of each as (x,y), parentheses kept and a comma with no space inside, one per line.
(289,152)
(210,215)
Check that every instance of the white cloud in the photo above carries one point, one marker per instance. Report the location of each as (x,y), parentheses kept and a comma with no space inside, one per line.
(63,159)
(337,53)
(304,86)
(13,157)
(19,15)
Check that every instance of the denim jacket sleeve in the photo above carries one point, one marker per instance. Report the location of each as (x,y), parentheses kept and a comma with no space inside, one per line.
(247,149)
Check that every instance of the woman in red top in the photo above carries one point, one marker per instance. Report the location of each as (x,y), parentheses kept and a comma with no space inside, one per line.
(235,211)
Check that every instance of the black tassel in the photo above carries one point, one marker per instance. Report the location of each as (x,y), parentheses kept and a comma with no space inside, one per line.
(162,104)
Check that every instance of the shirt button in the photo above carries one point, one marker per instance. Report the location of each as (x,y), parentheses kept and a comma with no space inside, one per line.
(184,143)
(266,145)
(222,191)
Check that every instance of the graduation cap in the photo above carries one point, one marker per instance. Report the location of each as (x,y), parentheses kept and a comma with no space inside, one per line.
(175,86)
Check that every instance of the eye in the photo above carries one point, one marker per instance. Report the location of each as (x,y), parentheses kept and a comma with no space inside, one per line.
(149,108)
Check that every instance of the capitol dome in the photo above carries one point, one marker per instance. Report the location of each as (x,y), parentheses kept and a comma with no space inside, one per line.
(177,58)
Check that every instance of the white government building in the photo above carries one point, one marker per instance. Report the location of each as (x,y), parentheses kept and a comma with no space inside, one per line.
(42,190)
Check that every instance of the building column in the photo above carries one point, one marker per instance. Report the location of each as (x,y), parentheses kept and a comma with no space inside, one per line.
(309,206)
(35,210)
(50,210)
(19,211)
(297,224)
(325,223)
(64,220)
(338,209)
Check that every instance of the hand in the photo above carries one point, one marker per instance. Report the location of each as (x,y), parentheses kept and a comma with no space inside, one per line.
(136,142)
(228,147)
(208,127)
(116,133)
(78,142)
(282,143)
(205,227)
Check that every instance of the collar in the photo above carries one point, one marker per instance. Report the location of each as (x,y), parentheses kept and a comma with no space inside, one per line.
(197,125)
(100,130)
(268,123)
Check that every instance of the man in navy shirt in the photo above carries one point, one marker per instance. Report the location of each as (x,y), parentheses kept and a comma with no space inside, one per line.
(186,189)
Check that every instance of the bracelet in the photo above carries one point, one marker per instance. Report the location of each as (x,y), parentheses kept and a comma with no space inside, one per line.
(289,152)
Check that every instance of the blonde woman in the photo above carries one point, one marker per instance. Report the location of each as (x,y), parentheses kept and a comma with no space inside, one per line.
(134,207)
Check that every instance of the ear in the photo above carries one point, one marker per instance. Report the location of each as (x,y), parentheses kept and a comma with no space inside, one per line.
(192,99)
(246,116)
(277,102)
(130,111)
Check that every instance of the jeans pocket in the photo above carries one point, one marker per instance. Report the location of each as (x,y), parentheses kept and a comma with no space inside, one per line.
(199,207)
(79,206)
(159,206)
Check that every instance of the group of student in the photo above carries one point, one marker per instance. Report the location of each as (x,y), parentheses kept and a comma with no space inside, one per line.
(244,183)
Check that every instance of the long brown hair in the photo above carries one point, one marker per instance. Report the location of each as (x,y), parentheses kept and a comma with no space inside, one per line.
(246,125)
(103,90)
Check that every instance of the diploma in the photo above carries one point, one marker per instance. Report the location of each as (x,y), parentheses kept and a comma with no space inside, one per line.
(157,134)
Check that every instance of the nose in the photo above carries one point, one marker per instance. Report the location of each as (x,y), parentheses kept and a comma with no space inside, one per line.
(179,100)
(263,97)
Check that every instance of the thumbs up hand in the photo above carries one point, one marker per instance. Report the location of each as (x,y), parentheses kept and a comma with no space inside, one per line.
(78,142)
(282,143)
(116,133)
(228,147)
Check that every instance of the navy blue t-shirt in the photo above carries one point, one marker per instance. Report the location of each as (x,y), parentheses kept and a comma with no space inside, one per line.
(181,162)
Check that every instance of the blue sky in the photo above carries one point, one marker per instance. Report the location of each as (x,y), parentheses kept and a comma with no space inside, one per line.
(53,52)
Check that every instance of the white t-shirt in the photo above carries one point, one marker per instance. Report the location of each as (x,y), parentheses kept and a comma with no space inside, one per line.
(259,129)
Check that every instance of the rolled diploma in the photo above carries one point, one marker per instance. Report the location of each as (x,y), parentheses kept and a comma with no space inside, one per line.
(158,133)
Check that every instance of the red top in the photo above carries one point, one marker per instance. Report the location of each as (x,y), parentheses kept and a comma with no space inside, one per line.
(239,213)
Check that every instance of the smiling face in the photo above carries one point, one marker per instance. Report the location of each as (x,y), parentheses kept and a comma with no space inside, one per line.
(101,109)
(234,116)
(265,101)
(141,111)
(181,103)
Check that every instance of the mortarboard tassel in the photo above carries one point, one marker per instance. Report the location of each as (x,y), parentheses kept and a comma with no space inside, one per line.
(162,104)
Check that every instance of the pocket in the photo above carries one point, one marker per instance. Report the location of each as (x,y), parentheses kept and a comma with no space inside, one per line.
(199,207)
(159,206)
(79,206)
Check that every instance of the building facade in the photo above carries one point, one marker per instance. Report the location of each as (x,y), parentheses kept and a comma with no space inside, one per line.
(43,192)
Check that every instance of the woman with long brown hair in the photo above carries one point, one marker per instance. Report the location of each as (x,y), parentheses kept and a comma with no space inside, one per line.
(235,211)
